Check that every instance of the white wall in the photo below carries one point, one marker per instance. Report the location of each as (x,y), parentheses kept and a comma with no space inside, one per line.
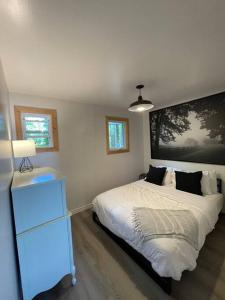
(82,156)
(181,165)
(8,269)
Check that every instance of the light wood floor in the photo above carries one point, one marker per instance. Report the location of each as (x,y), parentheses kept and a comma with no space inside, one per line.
(105,272)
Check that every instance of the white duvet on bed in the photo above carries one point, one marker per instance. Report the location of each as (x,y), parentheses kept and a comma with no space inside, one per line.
(169,257)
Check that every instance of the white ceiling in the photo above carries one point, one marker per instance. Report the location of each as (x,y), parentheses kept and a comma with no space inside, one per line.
(96,51)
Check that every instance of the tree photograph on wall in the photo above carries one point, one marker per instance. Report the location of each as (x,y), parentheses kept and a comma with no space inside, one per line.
(193,131)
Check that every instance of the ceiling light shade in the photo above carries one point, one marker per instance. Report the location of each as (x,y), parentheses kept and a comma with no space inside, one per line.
(140,105)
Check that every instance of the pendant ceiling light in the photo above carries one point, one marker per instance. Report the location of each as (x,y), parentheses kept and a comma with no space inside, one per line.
(141,104)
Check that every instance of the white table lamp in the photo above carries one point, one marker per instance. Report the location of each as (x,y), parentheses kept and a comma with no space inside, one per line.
(24,149)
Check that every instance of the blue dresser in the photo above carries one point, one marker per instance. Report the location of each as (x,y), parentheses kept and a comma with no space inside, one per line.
(43,230)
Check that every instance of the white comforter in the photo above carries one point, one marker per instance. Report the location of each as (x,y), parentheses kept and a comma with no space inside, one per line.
(169,257)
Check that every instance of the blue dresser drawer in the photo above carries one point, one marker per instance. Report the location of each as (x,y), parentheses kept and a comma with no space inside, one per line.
(37,204)
(43,230)
(45,256)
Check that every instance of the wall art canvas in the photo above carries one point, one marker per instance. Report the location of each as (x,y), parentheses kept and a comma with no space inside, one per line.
(193,131)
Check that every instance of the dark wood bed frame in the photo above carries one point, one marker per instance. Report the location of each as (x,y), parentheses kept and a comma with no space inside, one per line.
(164,282)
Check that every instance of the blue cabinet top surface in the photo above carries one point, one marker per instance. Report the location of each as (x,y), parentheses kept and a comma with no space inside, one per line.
(37,176)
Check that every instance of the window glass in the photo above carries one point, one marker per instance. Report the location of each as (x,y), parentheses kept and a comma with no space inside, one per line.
(117,135)
(38,128)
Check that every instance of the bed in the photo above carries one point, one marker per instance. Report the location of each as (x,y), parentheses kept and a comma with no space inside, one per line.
(168,257)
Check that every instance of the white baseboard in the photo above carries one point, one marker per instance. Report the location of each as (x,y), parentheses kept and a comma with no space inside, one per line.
(79,209)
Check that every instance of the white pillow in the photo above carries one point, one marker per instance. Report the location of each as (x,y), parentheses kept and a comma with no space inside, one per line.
(174,176)
(209,183)
(167,178)
(168,175)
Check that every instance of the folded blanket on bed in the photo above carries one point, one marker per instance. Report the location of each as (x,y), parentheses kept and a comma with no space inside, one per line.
(157,223)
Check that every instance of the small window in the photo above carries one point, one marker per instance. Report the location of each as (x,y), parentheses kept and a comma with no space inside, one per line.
(37,124)
(117,135)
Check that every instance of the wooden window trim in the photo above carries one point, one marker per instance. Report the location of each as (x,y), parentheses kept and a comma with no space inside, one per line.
(126,120)
(18,110)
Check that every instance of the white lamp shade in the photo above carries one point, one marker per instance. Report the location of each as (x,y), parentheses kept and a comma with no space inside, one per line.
(24,148)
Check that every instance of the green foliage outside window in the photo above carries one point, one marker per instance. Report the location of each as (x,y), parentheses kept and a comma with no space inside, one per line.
(37,129)
(117,138)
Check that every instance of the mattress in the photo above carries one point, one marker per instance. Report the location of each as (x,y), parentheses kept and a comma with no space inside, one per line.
(169,257)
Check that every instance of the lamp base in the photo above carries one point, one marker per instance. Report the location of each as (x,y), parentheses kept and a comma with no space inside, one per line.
(25,165)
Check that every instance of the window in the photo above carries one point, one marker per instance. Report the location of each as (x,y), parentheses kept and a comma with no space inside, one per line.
(37,124)
(117,135)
